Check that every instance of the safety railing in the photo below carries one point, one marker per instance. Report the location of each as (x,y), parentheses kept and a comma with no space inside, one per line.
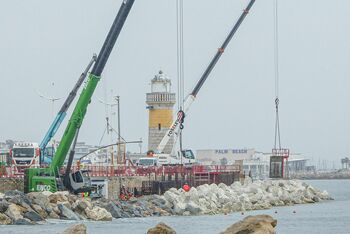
(115,171)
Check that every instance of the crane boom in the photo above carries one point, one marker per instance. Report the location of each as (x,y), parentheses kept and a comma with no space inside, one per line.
(192,96)
(86,94)
(62,113)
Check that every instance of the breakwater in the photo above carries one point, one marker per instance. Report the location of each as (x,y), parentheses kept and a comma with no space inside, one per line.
(19,208)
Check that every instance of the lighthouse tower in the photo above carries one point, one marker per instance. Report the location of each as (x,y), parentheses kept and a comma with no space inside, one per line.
(160,103)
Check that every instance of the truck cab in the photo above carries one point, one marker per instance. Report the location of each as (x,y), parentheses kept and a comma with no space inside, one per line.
(24,155)
(186,157)
(147,162)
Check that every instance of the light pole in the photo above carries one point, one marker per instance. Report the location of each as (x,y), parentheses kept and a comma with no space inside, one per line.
(117,98)
(52,99)
(109,128)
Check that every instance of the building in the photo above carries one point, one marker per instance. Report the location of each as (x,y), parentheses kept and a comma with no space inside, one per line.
(258,167)
(223,156)
(160,103)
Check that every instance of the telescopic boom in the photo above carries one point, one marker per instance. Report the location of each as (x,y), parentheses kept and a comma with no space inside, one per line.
(62,113)
(94,77)
(192,96)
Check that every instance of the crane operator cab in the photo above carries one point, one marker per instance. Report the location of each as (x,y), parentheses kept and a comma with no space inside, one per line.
(79,182)
(187,156)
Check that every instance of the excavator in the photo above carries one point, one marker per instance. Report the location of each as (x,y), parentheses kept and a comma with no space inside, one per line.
(187,156)
(51,178)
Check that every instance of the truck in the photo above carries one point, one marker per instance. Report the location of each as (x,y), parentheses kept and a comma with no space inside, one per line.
(177,126)
(147,161)
(54,177)
(24,155)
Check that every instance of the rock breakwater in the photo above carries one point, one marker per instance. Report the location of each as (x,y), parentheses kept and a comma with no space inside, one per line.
(19,208)
(214,199)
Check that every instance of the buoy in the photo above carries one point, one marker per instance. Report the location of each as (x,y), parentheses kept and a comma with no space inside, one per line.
(275,211)
(186,187)
(294,212)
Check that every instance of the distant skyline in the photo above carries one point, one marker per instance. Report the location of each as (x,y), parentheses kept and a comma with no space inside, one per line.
(44,42)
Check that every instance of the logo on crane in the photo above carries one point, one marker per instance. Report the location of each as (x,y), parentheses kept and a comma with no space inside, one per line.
(179,120)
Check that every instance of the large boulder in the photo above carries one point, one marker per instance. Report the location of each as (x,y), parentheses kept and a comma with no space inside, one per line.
(21,200)
(3,206)
(193,208)
(76,229)
(14,212)
(39,210)
(81,205)
(98,214)
(23,221)
(161,228)
(33,216)
(67,213)
(4,220)
(59,197)
(41,200)
(259,224)
(112,208)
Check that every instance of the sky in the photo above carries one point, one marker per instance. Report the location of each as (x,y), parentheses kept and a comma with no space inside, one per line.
(50,42)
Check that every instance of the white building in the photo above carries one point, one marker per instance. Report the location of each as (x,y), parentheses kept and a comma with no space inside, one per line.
(223,156)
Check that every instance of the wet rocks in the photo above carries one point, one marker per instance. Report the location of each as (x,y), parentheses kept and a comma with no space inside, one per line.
(76,229)
(33,216)
(67,213)
(14,212)
(5,220)
(3,206)
(19,208)
(259,224)
(161,228)
(23,221)
(114,210)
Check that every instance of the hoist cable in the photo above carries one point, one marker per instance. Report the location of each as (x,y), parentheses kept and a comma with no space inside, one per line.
(276,66)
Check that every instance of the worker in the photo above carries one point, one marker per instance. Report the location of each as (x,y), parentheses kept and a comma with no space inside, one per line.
(186,187)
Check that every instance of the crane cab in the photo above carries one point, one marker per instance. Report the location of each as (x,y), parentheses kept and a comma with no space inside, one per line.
(79,182)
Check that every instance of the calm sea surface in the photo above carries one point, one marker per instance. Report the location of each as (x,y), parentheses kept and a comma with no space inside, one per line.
(324,217)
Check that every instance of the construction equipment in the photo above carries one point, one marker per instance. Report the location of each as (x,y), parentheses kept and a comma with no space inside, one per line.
(51,178)
(187,156)
(47,152)
(24,155)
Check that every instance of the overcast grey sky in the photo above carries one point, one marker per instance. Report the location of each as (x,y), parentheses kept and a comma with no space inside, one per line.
(52,41)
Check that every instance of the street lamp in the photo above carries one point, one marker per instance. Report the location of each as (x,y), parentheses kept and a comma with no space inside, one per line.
(52,99)
(109,128)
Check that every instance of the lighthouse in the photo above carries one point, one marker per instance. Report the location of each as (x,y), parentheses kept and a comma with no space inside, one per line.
(160,102)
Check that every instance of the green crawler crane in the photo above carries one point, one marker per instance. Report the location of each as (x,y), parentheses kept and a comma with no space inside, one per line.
(50,179)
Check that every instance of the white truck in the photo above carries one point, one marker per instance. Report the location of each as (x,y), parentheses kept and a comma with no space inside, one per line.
(147,162)
(24,155)
(170,159)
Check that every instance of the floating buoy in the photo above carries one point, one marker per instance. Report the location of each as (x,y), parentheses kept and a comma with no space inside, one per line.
(186,187)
